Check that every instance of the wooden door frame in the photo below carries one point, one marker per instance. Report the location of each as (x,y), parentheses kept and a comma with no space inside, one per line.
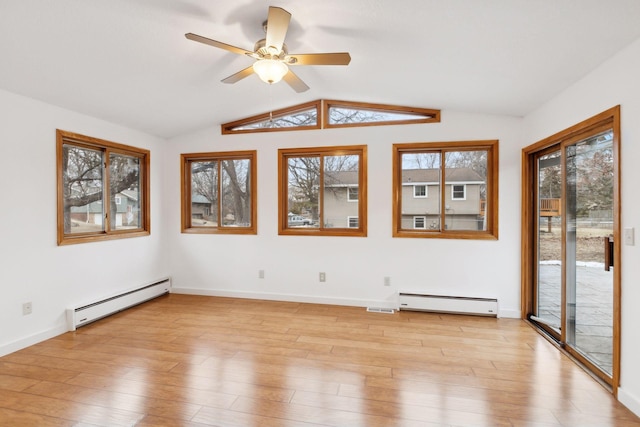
(610,118)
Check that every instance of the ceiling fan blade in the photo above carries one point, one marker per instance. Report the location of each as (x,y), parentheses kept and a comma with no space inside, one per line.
(295,82)
(214,43)
(239,75)
(340,58)
(277,26)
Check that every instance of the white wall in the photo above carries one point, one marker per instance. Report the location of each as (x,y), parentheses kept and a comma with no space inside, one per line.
(355,267)
(32,267)
(614,82)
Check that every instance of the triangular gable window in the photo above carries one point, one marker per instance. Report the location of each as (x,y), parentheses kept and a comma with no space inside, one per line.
(323,114)
(343,114)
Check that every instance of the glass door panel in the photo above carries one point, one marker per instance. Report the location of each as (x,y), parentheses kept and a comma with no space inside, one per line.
(589,229)
(548,298)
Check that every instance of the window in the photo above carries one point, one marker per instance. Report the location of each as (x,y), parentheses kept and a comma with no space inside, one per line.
(419,191)
(352,194)
(92,177)
(323,114)
(458,192)
(463,179)
(420,222)
(219,192)
(325,186)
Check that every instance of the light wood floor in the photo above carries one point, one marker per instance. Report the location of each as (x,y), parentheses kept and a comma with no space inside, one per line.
(201,361)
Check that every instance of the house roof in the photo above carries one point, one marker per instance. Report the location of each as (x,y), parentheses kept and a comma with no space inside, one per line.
(418,176)
(128,61)
(423,176)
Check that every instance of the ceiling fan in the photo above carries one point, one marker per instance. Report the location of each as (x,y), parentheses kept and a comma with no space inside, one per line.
(271,54)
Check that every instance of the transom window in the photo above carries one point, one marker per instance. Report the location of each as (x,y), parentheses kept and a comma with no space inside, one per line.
(103,189)
(219,192)
(324,189)
(322,114)
(463,177)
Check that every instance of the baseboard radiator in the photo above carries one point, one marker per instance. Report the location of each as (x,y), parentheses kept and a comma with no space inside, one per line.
(448,304)
(85,314)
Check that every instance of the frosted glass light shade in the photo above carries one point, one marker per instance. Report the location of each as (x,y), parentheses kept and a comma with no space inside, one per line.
(269,70)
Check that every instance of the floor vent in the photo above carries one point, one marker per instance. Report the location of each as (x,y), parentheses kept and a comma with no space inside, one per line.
(448,304)
(380,310)
(87,313)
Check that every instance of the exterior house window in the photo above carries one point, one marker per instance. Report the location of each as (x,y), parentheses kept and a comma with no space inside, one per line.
(352,194)
(420,190)
(463,190)
(324,189)
(91,175)
(419,222)
(458,192)
(219,193)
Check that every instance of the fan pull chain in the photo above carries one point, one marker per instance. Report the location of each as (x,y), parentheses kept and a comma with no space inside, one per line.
(270,106)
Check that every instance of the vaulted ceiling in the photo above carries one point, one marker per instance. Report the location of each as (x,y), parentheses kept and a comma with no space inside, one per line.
(128,62)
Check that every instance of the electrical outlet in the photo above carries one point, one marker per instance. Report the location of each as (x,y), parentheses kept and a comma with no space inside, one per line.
(628,236)
(260,274)
(27,308)
(323,277)
(387,281)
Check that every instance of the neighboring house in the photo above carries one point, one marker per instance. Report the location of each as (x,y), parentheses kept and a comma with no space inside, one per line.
(341,199)
(463,199)
(127,211)
(201,208)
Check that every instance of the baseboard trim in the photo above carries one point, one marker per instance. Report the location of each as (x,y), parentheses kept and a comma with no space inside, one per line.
(14,346)
(629,400)
(287,297)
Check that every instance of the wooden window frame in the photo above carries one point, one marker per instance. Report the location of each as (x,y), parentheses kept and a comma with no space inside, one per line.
(283,191)
(107,148)
(322,108)
(491,146)
(185,191)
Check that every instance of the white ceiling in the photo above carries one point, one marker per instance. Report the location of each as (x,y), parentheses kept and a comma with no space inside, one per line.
(128,62)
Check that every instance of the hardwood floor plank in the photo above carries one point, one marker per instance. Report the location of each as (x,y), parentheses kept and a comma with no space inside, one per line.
(194,361)
(167,408)
(13,418)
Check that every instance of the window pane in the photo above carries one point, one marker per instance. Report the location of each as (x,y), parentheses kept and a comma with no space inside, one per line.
(304,118)
(343,115)
(204,194)
(236,193)
(466,193)
(124,179)
(303,190)
(420,170)
(340,174)
(82,176)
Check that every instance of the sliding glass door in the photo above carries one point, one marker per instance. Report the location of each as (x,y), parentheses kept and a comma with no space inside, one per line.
(570,282)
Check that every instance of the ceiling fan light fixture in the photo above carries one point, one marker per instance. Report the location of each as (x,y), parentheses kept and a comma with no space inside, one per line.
(270,70)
